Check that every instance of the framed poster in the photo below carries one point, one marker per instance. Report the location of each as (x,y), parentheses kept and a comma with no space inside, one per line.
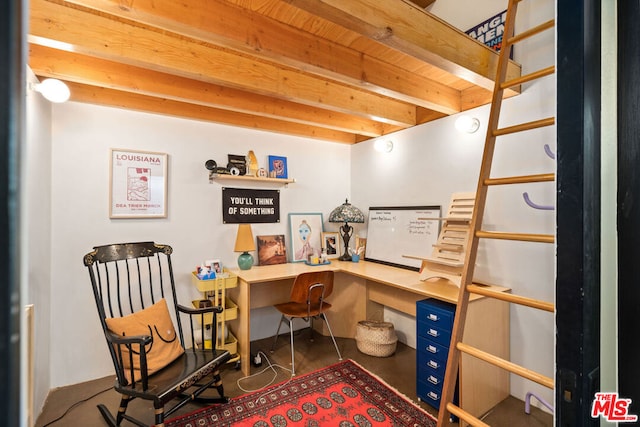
(278,167)
(305,235)
(137,184)
(331,244)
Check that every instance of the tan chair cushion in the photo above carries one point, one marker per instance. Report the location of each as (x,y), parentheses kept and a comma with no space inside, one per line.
(155,321)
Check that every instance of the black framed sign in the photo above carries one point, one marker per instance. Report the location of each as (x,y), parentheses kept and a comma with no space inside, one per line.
(249,206)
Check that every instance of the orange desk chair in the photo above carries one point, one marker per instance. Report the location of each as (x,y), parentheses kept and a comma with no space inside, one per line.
(307,301)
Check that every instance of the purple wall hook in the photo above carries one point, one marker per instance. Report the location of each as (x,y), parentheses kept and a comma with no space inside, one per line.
(535,205)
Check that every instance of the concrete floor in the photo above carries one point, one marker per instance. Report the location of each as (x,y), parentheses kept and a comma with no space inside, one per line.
(397,370)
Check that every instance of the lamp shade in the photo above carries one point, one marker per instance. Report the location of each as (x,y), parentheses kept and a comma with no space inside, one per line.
(346,212)
(244,239)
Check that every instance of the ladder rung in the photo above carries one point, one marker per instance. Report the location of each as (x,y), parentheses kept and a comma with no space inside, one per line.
(516,299)
(465,416)
(529,77)
(524,179)
(540,238)
(507,365)
(532,31)
(550,121)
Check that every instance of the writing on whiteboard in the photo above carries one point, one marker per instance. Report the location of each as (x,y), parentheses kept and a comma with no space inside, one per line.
(418,227)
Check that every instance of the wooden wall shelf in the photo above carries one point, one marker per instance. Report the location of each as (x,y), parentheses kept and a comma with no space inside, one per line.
(220,177)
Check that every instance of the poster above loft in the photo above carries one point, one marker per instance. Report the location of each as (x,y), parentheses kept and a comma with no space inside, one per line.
(490,31)
(248,206)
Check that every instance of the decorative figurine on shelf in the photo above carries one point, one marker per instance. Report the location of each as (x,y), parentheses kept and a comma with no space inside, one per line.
(252,164)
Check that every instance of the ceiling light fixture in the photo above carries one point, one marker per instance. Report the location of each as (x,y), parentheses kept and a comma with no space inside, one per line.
(53,90)
(383,146)
(467,124)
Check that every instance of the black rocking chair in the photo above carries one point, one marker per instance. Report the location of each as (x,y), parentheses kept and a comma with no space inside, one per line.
(128,281)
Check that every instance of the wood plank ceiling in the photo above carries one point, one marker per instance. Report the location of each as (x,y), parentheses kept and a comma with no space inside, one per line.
(336,70)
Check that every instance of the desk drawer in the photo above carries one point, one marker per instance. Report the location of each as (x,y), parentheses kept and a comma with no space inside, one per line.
(434,334)
(430,366)
(432,395)
(431,376)
(430,349)
(429,394)
(435,313)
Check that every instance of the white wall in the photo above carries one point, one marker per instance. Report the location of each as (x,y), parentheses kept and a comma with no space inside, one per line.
(431,161)
(82,137)
(36,239)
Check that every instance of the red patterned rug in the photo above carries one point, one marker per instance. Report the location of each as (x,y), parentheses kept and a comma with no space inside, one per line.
(341,395)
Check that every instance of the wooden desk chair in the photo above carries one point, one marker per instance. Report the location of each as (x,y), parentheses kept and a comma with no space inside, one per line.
(135,295)
(307,301)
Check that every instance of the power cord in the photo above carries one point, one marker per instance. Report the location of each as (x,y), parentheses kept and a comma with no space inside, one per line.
(76,404)
(270,367)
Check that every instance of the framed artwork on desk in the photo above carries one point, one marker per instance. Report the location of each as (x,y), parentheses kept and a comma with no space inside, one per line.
(331,244)
(361,245)
(305,235)
(271,250)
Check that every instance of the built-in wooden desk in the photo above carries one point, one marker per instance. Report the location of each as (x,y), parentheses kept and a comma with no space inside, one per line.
(361,291)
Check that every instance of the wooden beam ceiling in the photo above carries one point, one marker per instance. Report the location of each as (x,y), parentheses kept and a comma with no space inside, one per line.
(336,70)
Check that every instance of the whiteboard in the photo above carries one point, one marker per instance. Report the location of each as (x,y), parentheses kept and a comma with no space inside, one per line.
(396,232)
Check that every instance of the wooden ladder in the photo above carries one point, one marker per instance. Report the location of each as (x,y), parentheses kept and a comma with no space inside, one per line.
(447,408)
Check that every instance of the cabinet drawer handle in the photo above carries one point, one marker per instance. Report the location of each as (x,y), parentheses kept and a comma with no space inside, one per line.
(432,349)
(433,380)
(433,364)
(433,395)
(433,332)
(433,317)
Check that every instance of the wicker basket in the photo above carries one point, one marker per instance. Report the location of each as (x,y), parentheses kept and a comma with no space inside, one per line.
(376,338)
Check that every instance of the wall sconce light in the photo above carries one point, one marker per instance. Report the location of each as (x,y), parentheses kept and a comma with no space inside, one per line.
(53,90)
(467,124)
(383,146)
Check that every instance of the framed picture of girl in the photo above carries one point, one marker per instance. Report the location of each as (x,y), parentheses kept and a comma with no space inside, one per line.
(305,235)
(331,244)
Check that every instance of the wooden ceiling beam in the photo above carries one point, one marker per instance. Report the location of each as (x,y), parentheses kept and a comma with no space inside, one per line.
(131,43)
(114,98)
(403,26)
(48,62)
(225,24)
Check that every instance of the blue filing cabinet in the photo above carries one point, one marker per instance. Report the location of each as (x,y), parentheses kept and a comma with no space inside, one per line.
(434,323)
